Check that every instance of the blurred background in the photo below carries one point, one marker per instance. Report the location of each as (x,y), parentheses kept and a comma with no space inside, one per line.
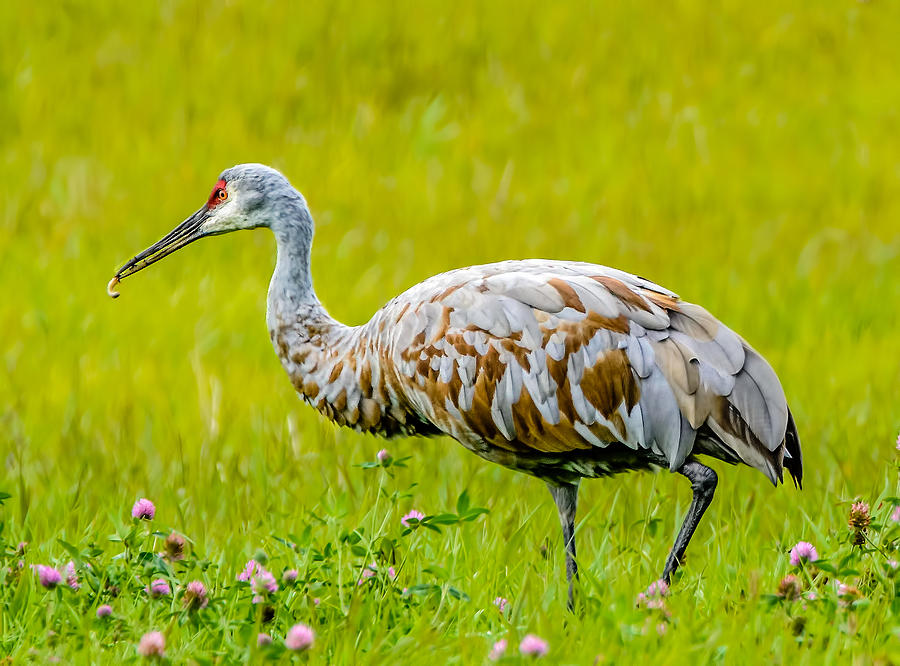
(745,157)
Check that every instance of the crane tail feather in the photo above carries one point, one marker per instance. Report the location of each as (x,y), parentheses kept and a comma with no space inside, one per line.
(793,460)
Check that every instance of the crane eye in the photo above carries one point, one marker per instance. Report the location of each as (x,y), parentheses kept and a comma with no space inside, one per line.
(221,195)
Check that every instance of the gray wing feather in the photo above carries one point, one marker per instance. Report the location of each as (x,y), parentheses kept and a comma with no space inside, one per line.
(760,399)
(665,427)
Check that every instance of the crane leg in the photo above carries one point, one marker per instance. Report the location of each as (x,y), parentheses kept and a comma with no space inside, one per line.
(703,482)
(566,498)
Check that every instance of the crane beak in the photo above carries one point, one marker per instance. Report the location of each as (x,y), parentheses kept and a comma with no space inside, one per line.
(185,233)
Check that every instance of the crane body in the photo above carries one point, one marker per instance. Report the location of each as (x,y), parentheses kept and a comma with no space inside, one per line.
(562,370)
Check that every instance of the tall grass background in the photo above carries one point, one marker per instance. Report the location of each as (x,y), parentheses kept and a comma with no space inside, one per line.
(744,155)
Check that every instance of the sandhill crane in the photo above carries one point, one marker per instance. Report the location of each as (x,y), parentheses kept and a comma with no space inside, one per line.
(558,369)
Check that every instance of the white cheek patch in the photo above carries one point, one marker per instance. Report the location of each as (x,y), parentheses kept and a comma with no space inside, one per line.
(223,218)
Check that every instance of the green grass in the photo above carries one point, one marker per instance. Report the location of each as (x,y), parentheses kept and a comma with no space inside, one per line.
(745,156)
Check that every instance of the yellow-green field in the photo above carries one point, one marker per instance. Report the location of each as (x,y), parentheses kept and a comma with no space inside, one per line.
(745,156)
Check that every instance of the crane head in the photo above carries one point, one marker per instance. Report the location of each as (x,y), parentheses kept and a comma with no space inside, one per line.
(242,198)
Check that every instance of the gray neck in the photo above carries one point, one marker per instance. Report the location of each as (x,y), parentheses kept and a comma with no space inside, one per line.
(336,368)
(291,298)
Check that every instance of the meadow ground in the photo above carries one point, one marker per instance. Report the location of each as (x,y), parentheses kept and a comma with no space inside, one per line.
(746,157)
